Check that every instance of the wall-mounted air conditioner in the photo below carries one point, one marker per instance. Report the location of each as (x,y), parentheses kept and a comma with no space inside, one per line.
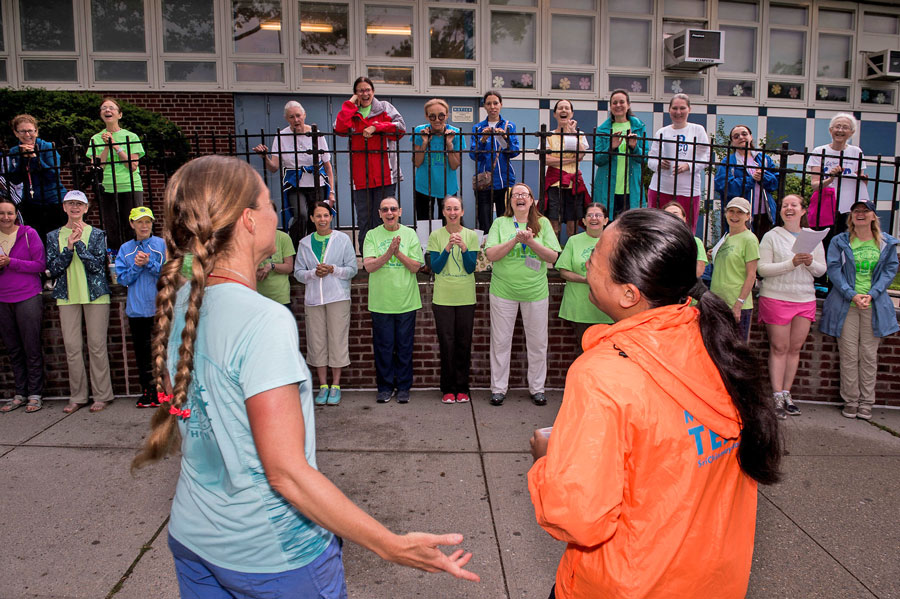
(694,50)
(883,65)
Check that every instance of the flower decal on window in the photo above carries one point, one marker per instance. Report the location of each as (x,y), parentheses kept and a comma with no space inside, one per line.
(676,86)
(880,98)
(737,90)
(865,95)
(776,89)
(823,92)
(636,86)
(584,83)
(498,81)
(526,79)
(794,92)
(564,83)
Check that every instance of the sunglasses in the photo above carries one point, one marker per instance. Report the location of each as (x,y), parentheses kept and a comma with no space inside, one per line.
(390,209)
(437,117)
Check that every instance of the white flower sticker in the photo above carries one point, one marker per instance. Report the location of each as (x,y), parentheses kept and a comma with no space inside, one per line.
(880,98)
(823,92)
(498,81)
(737,90)
(676,86)
(564,83)
(636,86)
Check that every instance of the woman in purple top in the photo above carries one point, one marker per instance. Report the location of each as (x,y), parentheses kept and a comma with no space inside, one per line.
(21,306)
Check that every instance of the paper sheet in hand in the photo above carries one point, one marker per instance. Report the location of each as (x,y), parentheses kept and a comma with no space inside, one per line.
(424,229)
(807,241)
(480,234)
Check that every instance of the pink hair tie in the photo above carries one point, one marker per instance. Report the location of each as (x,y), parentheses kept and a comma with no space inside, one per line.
(163,398)
(182,413)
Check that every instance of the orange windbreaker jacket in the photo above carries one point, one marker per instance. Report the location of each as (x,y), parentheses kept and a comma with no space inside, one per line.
(641,476)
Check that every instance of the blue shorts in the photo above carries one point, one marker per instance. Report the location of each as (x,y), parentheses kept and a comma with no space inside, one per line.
(323,578)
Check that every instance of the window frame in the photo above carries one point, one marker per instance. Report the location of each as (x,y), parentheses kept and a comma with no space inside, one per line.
(756,76)
(161,57)
(874,42)
(233,58)
(147,56)
(428,63)
(489,64)
(652,72)
(353,60)
(364,62)
(79,54)
(549,68)
(805,79)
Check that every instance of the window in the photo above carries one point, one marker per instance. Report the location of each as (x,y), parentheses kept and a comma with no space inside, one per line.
(189,45)
(638,7)
(389,31)
(685,8)
(257,42)
(324,29)
(451,37)
(787,46)
(118,31)
(48,41)
(834,55)
(881,24)
(740,49)
(629,43)
(513,37)
(571,40)
(4,76)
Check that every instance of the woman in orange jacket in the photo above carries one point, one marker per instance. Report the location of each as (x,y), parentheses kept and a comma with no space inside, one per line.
(651,469)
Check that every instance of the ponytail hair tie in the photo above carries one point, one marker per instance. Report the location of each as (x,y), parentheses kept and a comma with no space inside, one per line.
(184,413)
(163,398)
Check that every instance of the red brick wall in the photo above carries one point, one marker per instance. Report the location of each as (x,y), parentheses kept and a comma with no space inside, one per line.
(818,377)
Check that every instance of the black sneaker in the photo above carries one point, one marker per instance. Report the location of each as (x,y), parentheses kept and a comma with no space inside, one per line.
(539,399)
(143,402)
(497,399)
(403,396)
(789,406)
(384,396)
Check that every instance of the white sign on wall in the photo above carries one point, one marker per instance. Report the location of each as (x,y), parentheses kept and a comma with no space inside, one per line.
(462,114)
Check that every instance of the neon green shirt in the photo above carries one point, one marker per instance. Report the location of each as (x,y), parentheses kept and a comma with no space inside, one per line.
(277,286)
(318,243)
(620,160)
(866,255)
(701,251)
(393,289)
(365,110)
(126,180)
(511,279)
(730,267)
(453,286)
(576,305)
(76,278)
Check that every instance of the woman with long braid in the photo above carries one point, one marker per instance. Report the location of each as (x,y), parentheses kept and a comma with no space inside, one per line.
(251,511)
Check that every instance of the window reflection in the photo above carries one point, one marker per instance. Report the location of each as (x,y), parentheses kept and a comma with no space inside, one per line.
(256,26)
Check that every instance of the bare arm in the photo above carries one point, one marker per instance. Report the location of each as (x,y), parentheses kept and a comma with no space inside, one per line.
(497,252)
(329,172)
(746,288)
(568,275)
(412,265)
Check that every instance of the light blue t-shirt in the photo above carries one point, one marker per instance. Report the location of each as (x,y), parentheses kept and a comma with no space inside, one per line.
(436,161)
(224,509)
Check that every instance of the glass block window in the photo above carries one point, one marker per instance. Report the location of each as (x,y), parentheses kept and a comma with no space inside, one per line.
(324,29)
(785,90)
(509,79)
(189,26)
(451,33)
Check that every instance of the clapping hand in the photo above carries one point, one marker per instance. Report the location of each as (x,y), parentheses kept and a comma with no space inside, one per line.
(141,259)
(395,246)
(570,126)
(107,137)
(323,270)
(524,236)
(75,237)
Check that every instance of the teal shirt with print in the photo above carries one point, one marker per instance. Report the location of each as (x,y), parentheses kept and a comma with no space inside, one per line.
(442,180)
(224,509)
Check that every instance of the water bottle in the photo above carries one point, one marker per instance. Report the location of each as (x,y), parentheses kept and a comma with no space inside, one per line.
(111,258)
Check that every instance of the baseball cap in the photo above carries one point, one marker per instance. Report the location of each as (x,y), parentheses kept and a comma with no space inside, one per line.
(740,203)
(75,196)
(867,203)
(140,212)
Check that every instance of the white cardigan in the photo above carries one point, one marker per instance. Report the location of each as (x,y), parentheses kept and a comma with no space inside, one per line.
(781,279)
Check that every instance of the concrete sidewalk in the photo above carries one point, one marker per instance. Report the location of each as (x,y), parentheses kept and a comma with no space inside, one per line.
(77,524)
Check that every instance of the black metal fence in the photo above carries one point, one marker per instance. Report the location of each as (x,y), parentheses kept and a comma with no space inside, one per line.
(37,176)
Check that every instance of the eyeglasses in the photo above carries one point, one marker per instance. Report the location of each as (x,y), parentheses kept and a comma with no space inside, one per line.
(862,211)
(521,194)
(390,209)
(437,117)
(365,90)
(27,132)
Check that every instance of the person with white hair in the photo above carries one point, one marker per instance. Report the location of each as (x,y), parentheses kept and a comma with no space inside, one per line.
(837,176)
(300,190)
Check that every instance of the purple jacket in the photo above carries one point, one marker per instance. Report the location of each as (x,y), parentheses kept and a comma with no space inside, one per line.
(21,279)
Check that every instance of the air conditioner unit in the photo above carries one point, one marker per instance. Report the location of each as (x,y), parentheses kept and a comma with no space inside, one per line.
(694,50)
(883,65)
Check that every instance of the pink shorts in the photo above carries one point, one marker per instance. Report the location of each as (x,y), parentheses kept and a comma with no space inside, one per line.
(780,312)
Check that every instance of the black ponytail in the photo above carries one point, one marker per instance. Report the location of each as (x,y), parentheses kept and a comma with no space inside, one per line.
(656,253)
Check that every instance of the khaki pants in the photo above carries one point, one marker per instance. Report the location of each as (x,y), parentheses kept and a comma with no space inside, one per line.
(327,334)
(858,348)
(503,321)
(96,317)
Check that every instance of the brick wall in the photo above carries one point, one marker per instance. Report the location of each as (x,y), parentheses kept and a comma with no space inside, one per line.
(818,377)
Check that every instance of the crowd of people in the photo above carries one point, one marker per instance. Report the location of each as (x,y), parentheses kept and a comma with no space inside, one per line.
(208,298)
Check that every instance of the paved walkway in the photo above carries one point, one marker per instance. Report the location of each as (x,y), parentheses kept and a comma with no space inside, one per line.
(76,524)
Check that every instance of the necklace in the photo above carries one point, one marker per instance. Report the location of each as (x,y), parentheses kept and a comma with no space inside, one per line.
(249,283)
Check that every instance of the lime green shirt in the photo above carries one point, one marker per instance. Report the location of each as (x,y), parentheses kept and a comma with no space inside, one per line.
(277,286)
(76,278)
(701,251)
(576,304)
(365,110)
(453,286)
(620,160)
(730,267)
(319,243)
(866,255)
(393,289)
(126,180)
(511,279)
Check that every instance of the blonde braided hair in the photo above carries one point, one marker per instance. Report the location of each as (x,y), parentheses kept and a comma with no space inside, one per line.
(203,202)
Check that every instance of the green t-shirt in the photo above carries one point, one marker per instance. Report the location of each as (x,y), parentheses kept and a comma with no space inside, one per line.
(511,279)
(701,251)
(576,305)
(365,110)
(453,286)
(730,267)
(620,161)
(319,243)
(393,289)
(125,179)
(76,278)
(277,286)
(866,255)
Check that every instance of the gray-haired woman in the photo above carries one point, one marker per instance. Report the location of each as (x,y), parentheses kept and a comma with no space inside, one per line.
(300,190)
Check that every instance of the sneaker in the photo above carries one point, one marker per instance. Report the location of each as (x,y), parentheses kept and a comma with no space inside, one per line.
(497,399)
(462,398)
(539,399)
(849,411)
(322,396)
(334,396)
(864,412)
(403,396)
(146,400)
(780,412)
(448,398)
(384,396)
(789,406)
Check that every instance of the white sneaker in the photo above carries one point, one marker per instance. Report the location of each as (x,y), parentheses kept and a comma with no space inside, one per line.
(780,412)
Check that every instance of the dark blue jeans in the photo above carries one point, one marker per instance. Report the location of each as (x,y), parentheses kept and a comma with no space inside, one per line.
(367,202)
(392,341)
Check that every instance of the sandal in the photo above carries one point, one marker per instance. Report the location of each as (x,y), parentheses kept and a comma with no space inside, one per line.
(98,406)
(72,407)
(34,404)
(15,403)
